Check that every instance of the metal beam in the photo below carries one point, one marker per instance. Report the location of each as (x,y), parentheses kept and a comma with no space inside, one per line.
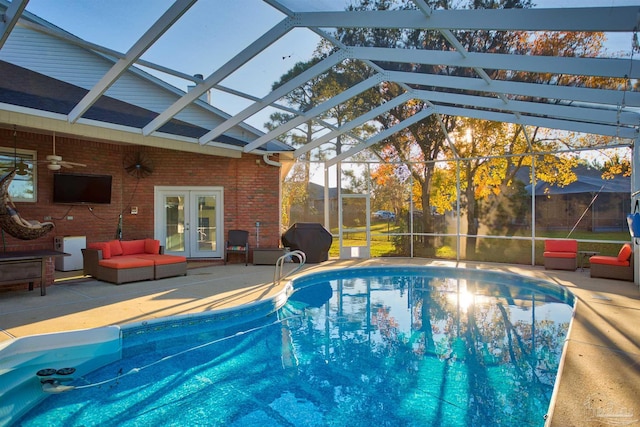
(158,28)
(533,90)
(609,112)
(599,19)
(369,115)
(579,113)
(220,74)
(549,123)
(602,67)
(10,18)
(314,112)
(278,93)
(381,136)
(453,41)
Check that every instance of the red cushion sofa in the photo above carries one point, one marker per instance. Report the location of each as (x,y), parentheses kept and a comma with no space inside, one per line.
(123,261)
(560,254)
(618,267)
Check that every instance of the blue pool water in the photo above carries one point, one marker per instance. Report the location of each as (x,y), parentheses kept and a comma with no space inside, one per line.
(358,347)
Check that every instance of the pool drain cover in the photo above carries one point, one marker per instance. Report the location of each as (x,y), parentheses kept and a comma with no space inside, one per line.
(65,371)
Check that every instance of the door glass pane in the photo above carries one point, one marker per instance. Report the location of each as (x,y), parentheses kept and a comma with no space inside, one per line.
(174,214)
(207,223)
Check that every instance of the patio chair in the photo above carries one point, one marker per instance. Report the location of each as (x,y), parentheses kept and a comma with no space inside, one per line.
(618,267)
(560,254)
(238,243)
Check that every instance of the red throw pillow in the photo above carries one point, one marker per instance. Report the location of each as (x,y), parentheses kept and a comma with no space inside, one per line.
(151,246)
(132,247)
(103,246)
(116,247)
(625,252)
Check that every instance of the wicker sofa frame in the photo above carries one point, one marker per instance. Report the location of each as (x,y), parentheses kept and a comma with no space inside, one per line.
(560,254)
(124,275)
(160,271)
(151,270)
(606,270)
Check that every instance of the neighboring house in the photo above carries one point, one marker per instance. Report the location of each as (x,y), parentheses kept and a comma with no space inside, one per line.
(194,193)
(589,203)
(316,197)
(313,211)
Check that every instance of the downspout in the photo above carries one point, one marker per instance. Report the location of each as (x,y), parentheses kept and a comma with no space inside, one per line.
(268,161)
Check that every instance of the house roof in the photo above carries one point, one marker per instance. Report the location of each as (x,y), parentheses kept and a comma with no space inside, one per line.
(25,88)
(588,180)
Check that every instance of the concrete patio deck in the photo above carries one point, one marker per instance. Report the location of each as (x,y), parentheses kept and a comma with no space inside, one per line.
(599,382)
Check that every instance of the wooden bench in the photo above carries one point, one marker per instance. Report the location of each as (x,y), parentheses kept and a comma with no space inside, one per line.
(26,267)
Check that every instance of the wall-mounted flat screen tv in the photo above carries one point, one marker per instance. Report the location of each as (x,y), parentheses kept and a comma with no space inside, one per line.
(73,188)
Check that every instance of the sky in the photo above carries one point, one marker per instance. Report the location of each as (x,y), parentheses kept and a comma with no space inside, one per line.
(205,38)
(213,31)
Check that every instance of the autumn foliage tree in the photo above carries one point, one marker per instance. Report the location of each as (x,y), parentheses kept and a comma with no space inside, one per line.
(484,156)
(445,154)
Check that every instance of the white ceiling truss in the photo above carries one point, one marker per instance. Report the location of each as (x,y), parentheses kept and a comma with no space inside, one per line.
(600,111)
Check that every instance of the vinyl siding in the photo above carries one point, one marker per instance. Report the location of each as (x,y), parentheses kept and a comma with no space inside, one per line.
(73,64)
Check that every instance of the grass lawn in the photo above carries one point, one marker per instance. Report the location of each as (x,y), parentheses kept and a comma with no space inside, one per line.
(384,241)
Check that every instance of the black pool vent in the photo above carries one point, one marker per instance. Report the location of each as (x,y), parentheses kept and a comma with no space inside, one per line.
(46,372)
(65,371)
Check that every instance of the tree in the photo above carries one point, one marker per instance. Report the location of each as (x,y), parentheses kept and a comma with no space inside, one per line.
(421,144)
(314,93)
(389,190)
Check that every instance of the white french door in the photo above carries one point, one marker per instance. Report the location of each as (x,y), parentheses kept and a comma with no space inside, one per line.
(189,221)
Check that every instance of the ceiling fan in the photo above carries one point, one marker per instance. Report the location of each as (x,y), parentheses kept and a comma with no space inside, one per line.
(138,165)
(55,162)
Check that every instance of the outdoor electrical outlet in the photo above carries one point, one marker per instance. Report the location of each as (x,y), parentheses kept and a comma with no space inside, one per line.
(69,218)
(257,223)
(47,218)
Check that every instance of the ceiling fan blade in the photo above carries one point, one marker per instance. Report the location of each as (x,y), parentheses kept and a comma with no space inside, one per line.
(71,164)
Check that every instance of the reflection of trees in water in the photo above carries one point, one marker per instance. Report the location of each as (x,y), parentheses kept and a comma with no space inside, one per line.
(463,351)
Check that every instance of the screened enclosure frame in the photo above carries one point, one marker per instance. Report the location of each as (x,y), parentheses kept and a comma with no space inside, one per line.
(535,236)
(607,110)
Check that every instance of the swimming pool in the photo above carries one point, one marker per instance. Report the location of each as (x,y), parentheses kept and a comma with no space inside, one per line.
(392,346)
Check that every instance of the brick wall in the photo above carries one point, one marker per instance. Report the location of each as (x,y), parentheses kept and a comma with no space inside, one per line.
(251,191)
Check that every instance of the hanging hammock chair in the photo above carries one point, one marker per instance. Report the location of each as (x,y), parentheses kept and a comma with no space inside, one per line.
(9,224)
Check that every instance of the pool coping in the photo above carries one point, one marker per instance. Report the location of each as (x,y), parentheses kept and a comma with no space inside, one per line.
(599,380)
